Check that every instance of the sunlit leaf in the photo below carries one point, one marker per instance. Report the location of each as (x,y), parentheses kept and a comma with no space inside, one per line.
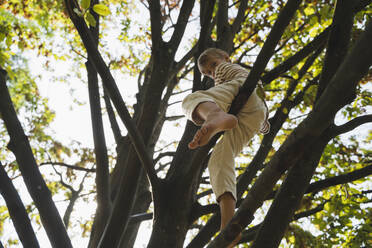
(309,11)
(90,19)
(101,9)
(85,4)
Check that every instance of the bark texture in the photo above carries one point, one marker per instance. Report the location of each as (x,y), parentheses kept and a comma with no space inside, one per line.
(17,211)
(35,183)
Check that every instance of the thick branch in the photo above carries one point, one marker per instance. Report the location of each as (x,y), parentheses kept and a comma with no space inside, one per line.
(102,165)
(265,54)
(361,4)
(206,25)
(35,183)
(338,42)
(333,181)
(240,17)
(222,18)
(112,89)
(296,58)
(250,234)
(181,24)
(180,64)
(306,50)
(354,123)
(142,202)
(155,17)
(111,114)
(177,169)
(343,83)
(17,211)
(341,179)
(294,186)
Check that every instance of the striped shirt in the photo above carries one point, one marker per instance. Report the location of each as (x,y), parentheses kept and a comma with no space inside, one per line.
(228,71)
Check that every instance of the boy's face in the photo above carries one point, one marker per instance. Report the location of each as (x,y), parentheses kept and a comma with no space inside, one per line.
(209,68)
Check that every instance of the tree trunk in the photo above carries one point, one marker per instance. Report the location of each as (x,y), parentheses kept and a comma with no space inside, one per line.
(288,198)
(142,203)
(17,211)
(35,183)
(171,216)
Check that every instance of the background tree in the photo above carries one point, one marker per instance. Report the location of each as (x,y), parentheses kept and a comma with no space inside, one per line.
(314,60)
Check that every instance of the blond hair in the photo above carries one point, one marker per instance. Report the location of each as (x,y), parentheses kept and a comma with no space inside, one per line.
(211,52)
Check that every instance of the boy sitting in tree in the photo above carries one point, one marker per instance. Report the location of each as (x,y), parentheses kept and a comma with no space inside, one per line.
(208,108)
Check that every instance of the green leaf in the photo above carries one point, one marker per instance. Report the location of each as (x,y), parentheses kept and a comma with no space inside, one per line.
(101,9)
(285,110)
(313,32)
(85,4)
(2,36)
(9,41)
(89,18)
(327,206)
(309,11)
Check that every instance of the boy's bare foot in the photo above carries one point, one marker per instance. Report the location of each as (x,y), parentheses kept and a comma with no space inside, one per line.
(215,122)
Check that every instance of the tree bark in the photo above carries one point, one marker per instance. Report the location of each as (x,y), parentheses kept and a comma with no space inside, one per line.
(288,198)
(35,183)
(17,211)
(142,203)
(112,89)
(249,235)
(100,149)
(338,42)
(297,57)
(265,54)
(102,165)
(114,124)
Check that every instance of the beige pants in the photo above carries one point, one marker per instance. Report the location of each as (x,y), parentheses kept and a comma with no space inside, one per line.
(250,118)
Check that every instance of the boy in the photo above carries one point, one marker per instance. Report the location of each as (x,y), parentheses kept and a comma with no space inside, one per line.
(209,109)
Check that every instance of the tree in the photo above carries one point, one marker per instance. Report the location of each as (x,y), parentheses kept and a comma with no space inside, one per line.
(314,61)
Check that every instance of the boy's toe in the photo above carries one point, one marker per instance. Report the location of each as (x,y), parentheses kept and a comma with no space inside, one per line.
(193,145)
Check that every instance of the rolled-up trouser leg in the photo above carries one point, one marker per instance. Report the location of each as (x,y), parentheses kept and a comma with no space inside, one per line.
(222,95)
(221,164)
